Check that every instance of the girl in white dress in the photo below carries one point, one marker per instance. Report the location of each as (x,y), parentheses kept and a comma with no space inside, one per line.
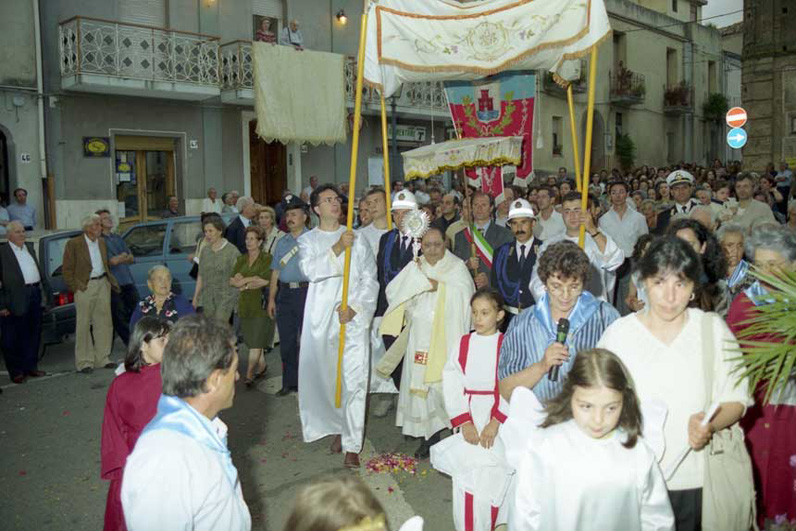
(473,457)
(588,467)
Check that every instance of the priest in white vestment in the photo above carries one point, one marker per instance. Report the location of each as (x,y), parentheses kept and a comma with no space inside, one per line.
(432,294)
(322,259)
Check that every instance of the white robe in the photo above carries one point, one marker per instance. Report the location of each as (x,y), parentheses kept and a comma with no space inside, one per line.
(569,480)
(378,383)
(320,337)
(421,407)
(481,477)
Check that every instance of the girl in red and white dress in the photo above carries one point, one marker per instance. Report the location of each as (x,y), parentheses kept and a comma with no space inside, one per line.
(474,455)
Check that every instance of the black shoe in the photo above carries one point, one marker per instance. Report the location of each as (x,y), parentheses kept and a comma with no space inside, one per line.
(286,391)
(424,451)
(86,370)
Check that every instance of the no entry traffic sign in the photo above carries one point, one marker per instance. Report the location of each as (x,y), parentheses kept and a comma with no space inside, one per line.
(736,117)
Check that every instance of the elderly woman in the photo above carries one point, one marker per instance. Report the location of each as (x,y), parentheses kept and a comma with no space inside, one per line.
(731,237)
(770,429)
(266,220)
(251,275)
(161,302)
(217,259)
(662,348)
(530,350)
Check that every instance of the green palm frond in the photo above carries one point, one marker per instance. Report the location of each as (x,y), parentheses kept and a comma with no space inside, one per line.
(771,361)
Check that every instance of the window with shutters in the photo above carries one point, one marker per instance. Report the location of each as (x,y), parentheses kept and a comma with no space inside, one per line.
(146,12)
(270,11)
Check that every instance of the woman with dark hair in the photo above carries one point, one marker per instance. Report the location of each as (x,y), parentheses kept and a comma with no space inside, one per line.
(662,347)
(131,403)
(711,293)
(771,428)
(530,348)
(216,260)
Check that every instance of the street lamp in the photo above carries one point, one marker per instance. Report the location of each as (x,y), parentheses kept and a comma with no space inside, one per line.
(341,18)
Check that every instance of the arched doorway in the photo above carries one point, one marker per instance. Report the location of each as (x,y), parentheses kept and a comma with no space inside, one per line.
(5,164)
(598,160)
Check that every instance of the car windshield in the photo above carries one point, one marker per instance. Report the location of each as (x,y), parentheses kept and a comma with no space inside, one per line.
(146,240)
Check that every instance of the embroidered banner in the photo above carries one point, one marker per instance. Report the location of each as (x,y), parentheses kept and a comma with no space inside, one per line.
(425,161)
(500,105)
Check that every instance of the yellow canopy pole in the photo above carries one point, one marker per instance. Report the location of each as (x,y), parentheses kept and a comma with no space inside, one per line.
(352,186)
(385,150)
(574,133)
(584,203)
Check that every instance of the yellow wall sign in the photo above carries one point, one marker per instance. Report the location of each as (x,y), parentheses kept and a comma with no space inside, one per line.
(96,146)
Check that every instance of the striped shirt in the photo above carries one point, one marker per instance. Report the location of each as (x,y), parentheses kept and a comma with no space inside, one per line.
(528,337)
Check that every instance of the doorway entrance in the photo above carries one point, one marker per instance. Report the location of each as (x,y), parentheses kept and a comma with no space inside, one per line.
(144,175)
(268,164)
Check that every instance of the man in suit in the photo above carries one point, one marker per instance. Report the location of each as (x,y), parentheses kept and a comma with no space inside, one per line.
(513,261)
(494,234)
(236,231)
(23,287)
(88,275)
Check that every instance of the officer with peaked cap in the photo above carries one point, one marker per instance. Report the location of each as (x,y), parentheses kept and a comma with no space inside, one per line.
(681,184)
(513,262)
(288,290)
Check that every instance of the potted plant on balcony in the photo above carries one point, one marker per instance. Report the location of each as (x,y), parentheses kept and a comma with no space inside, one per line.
(677,96)
(625,151)
(715,107)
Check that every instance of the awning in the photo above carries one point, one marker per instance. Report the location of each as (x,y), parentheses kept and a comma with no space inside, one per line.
(433,159)
(410,41)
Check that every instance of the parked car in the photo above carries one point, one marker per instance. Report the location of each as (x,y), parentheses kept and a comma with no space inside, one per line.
(167,242)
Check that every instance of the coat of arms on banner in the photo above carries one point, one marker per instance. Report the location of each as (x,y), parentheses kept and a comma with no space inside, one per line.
(500,105)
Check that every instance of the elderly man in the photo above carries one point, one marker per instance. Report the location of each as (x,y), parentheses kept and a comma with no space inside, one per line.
(502,212)
(235,233)
(23,288)
(180,474)
(514,261)
(87,274)
(228,199)
(321,259)
(288,291)
(750,213)
(21,211)
(292,36)
(172,209)
(119,258)
(211,203)
(490,236)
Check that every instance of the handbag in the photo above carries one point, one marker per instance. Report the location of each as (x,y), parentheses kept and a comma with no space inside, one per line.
(728,494)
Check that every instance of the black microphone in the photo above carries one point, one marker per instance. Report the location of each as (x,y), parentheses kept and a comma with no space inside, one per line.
(561,337)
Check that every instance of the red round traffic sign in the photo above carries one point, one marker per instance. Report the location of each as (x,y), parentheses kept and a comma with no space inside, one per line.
(736,117)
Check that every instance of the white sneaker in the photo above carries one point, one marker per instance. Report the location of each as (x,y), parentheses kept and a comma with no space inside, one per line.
(382,405)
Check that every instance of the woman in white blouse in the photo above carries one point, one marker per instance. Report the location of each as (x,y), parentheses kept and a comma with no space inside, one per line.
(662,348)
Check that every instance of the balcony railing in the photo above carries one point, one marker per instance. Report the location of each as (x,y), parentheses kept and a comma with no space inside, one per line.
(427,96)
(119,51)
(236,65)
(627,87)
(678,99)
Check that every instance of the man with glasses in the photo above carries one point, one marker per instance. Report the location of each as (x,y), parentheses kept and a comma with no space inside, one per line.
(322,260)
(604,254)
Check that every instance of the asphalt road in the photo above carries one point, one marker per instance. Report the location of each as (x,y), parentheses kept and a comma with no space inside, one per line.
(50,453)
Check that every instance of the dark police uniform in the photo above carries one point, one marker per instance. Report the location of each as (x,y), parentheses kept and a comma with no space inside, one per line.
(512,279)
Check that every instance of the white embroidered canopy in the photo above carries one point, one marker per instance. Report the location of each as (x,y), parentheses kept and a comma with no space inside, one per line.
(411,40)
(433,159)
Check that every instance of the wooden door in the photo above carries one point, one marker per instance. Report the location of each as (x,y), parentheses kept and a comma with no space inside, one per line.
(268,164)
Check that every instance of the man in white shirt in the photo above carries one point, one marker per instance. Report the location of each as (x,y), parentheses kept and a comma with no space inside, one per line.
(211,203)
(604,254)
(550,221)
(292,36)
(21,210)
(22,289)
(88,275)
(624,226)
(180,474)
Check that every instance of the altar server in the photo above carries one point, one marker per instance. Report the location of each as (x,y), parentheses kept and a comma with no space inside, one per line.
(322,259)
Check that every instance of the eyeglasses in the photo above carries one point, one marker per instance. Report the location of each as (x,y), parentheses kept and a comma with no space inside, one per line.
(557,289)
(331,200)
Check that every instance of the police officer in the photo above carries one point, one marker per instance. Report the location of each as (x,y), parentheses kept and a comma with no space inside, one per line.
(681,183)
(288,290)
(512,263)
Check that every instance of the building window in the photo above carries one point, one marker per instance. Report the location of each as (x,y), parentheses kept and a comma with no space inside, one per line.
(671,67)
(674,6)
(618,123)
(712,77)
(558,140)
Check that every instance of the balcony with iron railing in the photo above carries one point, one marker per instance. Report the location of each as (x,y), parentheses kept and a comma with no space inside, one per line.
(627,87)
(550,86)
(415,99)
(678,99)
(237,73)
(113,57)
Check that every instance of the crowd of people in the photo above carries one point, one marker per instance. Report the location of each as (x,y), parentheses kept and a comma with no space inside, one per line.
(548,362)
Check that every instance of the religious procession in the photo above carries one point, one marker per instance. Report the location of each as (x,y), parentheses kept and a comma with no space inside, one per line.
(599,347)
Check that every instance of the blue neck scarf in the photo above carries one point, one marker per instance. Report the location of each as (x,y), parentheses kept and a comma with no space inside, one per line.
(585,307)
(738,274)
(178,416)
(757,294)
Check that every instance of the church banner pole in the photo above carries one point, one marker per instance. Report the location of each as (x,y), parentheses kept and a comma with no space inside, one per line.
(352,186)
(573,131)
(385,151)
(584,202)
